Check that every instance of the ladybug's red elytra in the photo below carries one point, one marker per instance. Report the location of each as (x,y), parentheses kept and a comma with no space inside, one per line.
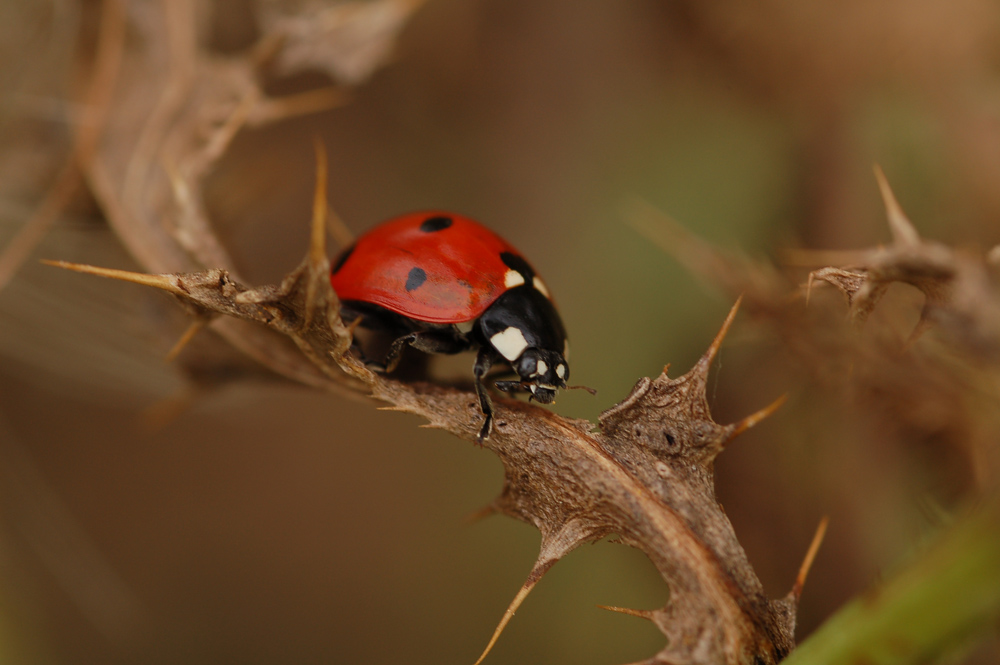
(444,283)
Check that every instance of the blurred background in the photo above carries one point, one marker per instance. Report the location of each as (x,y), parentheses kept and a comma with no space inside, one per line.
(163,513)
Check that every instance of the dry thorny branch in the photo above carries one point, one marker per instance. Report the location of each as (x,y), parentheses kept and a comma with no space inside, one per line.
(645,474)
(945,390)
(646,477)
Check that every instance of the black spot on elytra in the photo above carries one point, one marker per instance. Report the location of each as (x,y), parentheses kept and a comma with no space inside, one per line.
(515,262)
(432,224)
(342,259)
(416,277)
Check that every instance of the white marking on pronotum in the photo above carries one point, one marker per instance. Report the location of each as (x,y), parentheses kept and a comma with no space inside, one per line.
(540,285)
(510,343)
(561,371)
(465,327)
(513,278)
(542,367)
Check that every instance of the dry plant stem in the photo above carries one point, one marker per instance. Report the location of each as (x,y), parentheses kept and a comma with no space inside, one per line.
(959,287)
(107,59)
(928,266)
(173,115)
(646,476)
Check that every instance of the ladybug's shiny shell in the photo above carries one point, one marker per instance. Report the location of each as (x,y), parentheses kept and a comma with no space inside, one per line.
(429,266)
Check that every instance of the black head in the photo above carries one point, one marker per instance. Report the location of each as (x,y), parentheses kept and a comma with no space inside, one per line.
(524,328)
(543,372)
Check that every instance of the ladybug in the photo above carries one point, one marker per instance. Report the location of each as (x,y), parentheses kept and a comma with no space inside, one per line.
(444,283)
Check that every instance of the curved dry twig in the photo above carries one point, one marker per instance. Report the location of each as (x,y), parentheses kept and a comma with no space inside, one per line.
(96,100)
(646,475)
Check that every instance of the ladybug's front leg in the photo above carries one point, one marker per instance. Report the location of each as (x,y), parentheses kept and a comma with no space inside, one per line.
(513,387)
(483,363)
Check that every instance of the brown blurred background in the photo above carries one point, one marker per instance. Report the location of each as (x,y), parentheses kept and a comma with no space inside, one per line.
(265,523)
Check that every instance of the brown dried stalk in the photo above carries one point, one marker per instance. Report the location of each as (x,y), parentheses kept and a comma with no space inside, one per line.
(107,60)
(959,287)
(645,476)
(942,392)
(175,112)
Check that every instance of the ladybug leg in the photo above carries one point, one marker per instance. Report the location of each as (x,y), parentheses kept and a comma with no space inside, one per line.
(483,362)
(437,341)
(395,352)
(429,341)
(392,357)
(512,387)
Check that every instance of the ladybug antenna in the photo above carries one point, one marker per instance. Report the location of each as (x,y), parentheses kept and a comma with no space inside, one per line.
(592,391)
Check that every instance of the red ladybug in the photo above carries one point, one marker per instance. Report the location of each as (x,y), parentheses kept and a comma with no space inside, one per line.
(444,283)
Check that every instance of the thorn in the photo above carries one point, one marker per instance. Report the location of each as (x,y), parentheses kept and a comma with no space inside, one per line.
(923,324)
(800,579)
(533,578)
(353,325)
(642,614)
(317,241)
(338,229)
(324,219)
(488,510)
(155,417)
(188,335)
(713,349)
(165,282)
(899,225)
(268,110)
(754,418)
(317,263)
